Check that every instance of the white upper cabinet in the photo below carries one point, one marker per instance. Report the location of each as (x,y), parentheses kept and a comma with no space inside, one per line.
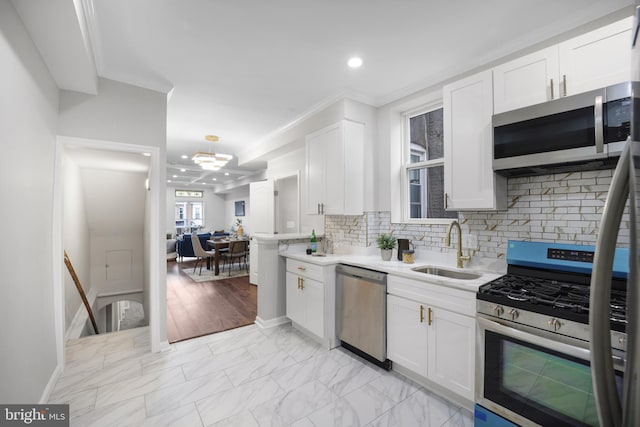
(469,180)
(335,170)
(596,59)
(593,60)
(528,80)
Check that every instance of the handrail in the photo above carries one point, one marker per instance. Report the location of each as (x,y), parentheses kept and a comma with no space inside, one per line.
(76,280)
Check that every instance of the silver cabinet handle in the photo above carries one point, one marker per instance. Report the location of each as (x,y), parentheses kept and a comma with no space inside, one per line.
(598,127)
(552,96)
(564,84)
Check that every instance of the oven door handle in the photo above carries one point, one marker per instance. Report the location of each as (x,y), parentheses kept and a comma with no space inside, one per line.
(604,385)
(571,350)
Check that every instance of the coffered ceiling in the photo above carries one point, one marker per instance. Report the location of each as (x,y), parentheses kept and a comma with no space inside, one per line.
(243,69)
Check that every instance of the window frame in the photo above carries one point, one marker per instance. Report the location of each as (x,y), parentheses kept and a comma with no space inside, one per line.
(407,166)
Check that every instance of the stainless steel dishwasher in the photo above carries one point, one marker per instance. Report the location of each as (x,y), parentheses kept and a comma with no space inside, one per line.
(361,312)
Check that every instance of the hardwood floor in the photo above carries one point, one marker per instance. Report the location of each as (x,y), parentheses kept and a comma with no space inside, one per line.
(196,309)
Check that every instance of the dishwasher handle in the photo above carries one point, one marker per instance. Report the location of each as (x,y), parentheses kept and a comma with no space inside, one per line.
(373,276)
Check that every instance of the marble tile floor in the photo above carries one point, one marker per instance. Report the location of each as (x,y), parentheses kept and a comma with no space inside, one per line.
(243,377)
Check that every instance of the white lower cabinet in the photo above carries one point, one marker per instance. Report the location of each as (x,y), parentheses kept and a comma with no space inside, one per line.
(308,286)
(435,342)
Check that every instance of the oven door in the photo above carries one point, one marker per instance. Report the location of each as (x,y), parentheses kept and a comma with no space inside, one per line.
(535,380)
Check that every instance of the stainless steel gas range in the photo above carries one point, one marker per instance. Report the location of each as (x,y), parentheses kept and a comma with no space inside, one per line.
(533,366)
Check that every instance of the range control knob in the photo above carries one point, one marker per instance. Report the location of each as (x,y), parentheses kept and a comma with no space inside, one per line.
(498,310)
(555,324)
(513,314)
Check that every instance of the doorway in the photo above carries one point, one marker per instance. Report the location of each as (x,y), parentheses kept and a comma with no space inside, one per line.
(153,255)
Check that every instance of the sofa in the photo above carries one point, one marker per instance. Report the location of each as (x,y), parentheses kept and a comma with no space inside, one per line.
(185,248)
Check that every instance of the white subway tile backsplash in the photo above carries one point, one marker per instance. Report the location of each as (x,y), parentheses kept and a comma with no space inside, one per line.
(562,208)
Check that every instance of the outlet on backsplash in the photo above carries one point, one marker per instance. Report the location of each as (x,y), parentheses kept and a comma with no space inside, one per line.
(470,241)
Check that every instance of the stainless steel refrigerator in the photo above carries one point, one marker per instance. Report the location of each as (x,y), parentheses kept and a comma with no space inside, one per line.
(615,408)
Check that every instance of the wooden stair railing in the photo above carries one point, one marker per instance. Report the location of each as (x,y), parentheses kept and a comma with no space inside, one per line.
(76,280)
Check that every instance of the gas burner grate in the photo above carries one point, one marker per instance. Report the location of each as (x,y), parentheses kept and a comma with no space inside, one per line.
(542,295)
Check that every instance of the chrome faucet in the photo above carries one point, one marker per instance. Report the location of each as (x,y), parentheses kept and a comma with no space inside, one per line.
(447,241)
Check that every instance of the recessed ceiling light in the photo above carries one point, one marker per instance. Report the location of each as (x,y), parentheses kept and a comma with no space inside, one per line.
(183,170)
(226,174)
(355,62)
(174,176)
(214,179)
(184,156)
(146,154)
(168,180)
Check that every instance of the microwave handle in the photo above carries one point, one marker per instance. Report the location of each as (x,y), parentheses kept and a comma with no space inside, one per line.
(598,127)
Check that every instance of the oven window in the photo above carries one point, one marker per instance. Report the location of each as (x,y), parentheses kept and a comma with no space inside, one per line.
(540,384)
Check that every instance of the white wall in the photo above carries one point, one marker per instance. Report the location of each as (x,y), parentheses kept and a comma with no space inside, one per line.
(28,114)
(231,197)
(76,238)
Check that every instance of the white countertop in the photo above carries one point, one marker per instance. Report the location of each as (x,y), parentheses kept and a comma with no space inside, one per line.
(399,268)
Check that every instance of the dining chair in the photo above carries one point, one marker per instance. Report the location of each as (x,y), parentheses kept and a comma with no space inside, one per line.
(199,252)
(237,251)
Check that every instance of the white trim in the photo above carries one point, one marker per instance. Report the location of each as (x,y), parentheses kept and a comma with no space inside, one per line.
(266,324)
(79,320)
(53,379)
(58,257)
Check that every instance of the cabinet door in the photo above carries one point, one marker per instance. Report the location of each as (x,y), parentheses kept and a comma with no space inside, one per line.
(596,59)
(334,171)
(469,181)
(407,334)
(313,293)
(315,177)
(295,301)
(451,346)
(525,81)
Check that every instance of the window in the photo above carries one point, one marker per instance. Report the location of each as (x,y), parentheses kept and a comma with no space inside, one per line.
(189,216)
(424,166)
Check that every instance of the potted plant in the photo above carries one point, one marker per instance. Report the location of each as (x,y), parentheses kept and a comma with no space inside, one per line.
(386,243)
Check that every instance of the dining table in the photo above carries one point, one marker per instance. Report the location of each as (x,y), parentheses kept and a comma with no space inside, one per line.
(219,246)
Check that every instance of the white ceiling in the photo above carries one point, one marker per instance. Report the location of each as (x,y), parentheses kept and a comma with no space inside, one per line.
(243,69)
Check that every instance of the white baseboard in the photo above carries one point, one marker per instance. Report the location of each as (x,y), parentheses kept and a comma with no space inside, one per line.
(46,394)
(164,346)
(266,324)
(80,319)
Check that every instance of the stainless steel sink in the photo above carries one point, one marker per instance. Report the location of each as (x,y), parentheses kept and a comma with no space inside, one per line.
(445,272)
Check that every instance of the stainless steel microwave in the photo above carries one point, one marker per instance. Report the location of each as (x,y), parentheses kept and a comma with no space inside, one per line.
(578,132)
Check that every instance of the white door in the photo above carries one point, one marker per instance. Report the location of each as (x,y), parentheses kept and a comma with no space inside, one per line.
(452,351)
(261,215)
(407,334)
(315,171)
(118,265)
(597,59)
(469,181)
(295,301)
(525,81)
(334,171)
(313,292)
